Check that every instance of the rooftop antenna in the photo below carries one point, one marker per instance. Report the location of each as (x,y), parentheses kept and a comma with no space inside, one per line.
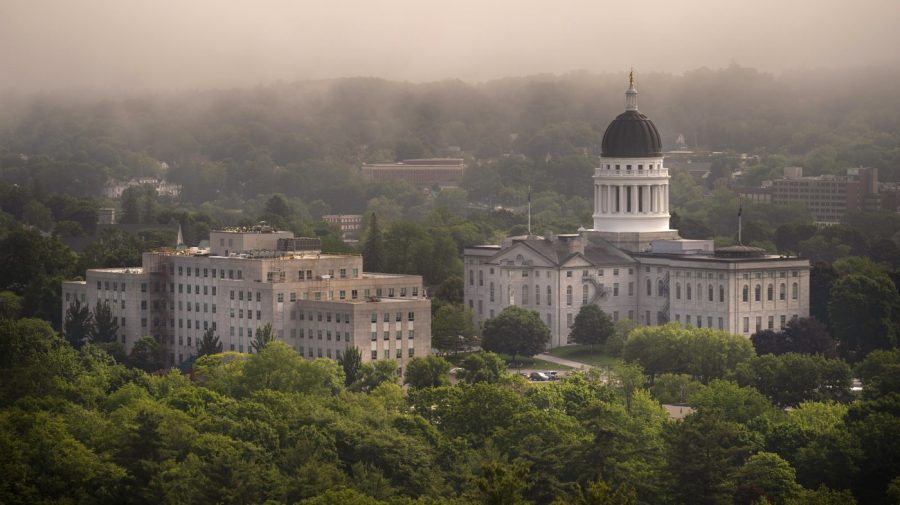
(529,211)
(740,211)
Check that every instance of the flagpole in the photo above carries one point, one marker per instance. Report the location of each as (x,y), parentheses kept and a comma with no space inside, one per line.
(740,211)
(529,211)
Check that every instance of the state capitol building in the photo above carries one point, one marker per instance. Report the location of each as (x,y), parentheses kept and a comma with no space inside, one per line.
(630,262)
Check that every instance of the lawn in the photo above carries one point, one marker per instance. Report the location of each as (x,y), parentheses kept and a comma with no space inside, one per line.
(524,363)
(583,354)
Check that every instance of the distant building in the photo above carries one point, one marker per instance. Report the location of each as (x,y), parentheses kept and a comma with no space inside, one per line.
(418,172)
(761,194)
(350,224)
(828,197)
(317,303)
(106,215)
(631,264)
(114,189)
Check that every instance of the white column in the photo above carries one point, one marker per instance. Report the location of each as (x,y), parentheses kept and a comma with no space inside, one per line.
(634,207)
(653,199)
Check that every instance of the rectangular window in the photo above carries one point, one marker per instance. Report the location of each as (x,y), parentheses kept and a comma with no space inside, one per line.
(374,355)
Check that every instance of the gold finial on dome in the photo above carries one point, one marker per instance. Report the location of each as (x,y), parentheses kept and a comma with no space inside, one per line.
(631,77)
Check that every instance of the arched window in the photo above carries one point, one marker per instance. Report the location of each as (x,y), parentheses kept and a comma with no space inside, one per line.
(678,291)
(659,287)
(745,294)
(537,294)
(710,292)
(492,291)
(649,288)
(770,292)
(584,294)
(549,296)
(689,290)
(782,291)
(569,295)
(794,291)
(757,293)
(525,294)
(721,293)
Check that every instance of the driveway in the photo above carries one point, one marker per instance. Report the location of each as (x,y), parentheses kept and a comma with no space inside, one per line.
(565,362)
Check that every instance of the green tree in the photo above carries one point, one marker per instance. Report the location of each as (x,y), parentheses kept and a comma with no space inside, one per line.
(864,314)
(515,331)
(482,367)
(768,475)
(373,248)
(592,326)
(209,343)
(427,372)
(147,354)
(372,375)
(703,452)
(674,388)
(10,305)
(792,378)
(79,324)
(452,328)
(734,403)
(880,373)
(598,492)
(500,484)
(801,335)
(264,336)
(350,361)
(105,329)
(451,290)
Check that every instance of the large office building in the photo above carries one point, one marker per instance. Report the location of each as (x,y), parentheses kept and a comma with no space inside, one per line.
(317,303)
(630,262)
(424,172)
(828,197)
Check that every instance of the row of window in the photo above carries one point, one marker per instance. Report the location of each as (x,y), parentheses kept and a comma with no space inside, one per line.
(240,314)
(387,353)
(319,316)
(354,294)
(211,272)
(398,335)
(639,167)
(770,292)
(537,273)
(699,321)
(318,334)
(386,317)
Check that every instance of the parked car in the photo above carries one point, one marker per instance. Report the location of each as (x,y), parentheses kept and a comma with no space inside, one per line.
(553,374)
(539,376)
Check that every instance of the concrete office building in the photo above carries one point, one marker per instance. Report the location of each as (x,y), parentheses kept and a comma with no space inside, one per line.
(317,303)
(631,263)
(425,172)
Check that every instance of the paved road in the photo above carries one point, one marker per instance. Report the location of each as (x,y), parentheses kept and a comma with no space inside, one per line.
(565,362)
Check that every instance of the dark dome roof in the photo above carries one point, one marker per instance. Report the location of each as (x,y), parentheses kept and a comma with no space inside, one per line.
(631,135)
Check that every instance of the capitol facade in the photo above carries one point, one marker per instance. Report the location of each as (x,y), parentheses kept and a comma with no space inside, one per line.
(630,263)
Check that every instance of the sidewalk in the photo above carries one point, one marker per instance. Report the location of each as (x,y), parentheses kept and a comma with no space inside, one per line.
(565,362)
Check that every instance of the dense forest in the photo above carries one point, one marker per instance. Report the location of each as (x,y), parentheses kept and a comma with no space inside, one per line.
(775,419)
(272,427)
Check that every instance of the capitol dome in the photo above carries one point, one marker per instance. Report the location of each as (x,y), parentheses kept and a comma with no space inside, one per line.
(631,134)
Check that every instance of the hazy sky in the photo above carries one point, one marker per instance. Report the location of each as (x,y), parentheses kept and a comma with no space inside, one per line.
(217,43)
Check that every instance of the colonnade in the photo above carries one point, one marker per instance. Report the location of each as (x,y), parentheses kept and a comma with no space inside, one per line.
(631,199)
